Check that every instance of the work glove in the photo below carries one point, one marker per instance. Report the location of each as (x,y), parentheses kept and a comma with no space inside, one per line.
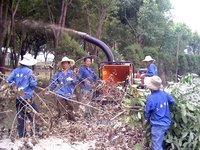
(20,91)
(69,79)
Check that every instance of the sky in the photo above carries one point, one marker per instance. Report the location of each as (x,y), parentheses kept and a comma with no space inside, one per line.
(187,11)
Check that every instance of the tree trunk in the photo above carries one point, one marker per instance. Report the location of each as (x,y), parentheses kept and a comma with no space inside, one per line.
(61,22)
(13,33)
(8,27)
(3,29)
(162,72)
(102,16)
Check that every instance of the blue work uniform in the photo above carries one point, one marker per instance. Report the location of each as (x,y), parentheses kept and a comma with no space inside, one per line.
(151,70)
(87,76)
(23,78)
(157,111)
(61,85)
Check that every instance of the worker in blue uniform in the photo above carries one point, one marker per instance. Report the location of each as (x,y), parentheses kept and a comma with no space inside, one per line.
(157,111)
(26,82)
(63,83)
(87,75)
(151,67)
(87,78)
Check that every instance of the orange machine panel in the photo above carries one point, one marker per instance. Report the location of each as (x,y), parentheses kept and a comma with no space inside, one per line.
(118,73)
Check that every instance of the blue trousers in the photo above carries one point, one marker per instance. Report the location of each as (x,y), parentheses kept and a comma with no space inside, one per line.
(22,115)
(157,136)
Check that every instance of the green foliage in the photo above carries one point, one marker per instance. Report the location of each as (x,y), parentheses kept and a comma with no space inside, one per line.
(135,102)
(186,63)
(193,64)
(168,42)
(198,66)
(69,47)
(195,43)
(86,15)
(184,132)
(117,55)
(184,33)
(183,65)
(117,35)
(133,53)
(166,65)
(152,51)
(152,21)
(146,20)
(29,9)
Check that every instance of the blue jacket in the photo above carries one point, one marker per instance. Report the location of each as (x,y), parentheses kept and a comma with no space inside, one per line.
(157,108)
(23,77)
(151,70)
(60,83)
(88,75)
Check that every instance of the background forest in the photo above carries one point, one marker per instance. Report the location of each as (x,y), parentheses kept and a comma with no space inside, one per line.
(131,28)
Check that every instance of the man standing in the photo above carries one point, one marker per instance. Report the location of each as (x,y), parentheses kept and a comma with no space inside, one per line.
(151,67)
(157,111)
(87,77)
(64,83)
(25,81)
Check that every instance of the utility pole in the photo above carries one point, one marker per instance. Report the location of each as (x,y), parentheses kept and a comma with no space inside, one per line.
(177,53)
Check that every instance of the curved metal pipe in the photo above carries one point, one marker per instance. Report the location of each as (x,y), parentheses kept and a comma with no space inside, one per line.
(94,41)
(102,45)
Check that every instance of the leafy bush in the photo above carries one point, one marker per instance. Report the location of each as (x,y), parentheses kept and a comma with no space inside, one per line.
(184,132)
(135,104)
(135,100)
(133,53)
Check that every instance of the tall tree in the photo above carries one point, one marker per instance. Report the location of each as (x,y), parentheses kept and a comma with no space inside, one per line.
(91,16)
(62,18)
(145,19)
(8,11)
(194,43)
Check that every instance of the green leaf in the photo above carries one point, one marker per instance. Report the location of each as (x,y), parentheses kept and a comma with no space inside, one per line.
(194,143)
(184,135)
(138,146)
(191,137)
(183,110)
(173,147)
(139,115)
(190,106)
(184,118)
